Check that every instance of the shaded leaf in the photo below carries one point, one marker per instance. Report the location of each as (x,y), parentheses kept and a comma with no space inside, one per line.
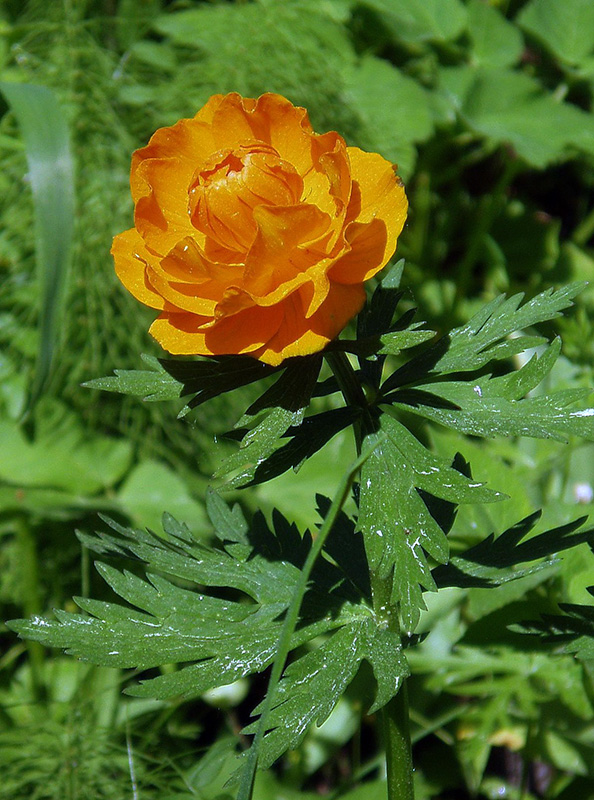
(489,562)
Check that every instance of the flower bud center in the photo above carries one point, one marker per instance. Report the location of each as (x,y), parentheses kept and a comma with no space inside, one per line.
(224,192)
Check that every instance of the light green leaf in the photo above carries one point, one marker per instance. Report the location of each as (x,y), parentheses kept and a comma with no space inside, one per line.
(150,488)
(566,29)
(495,41)
(152,384)
(61,457)
(45,133)
(510,107)
(422,20)
(394,109)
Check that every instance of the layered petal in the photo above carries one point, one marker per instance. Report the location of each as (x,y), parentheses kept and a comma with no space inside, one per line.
(253,234)
(131,262)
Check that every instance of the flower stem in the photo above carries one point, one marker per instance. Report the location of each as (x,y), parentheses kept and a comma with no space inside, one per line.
(394,717)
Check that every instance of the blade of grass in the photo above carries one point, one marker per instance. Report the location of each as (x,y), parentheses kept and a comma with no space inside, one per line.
(44,130)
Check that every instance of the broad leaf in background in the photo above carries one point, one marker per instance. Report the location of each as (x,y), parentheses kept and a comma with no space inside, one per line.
(285,42)
(422,20)
(394,111)
(512,108)
(45,133)
(565,29)
(495,41)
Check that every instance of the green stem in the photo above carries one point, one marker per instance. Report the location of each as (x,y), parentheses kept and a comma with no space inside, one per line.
(284,642)
(394,717)
(488,208)
(584,230)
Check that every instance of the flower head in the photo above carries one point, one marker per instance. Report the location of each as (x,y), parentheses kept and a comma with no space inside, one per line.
(253,234)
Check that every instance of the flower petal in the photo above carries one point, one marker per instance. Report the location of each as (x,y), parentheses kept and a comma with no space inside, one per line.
(131,259)
(298,336)
(188,334)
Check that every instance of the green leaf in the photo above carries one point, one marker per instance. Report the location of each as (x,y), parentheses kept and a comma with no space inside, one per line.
(397,525)
(511,108)
(482,410)
(422,20)
(565,29)
(261,456)
(61,457)
(152,384)
(394,111)
(310,688)
(285,42)
(45,133)
(305,440)
(495,41)
(173,614)
(485,337)
(488,563)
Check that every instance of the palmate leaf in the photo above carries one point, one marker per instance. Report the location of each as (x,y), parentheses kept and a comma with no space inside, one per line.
(173,614)
(168,379)
(485,337)
(395,519)
(488,406)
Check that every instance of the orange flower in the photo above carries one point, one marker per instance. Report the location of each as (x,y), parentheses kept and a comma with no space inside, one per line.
(252,234)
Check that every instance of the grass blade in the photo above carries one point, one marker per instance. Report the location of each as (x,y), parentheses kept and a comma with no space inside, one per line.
(45,135)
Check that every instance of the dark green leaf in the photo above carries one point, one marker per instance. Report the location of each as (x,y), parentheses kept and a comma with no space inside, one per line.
(213,376)
(489,563)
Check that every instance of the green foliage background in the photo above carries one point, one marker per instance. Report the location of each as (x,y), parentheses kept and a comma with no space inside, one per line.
(487,108)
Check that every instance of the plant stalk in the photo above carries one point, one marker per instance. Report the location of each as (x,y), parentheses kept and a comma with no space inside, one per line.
(394,717)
